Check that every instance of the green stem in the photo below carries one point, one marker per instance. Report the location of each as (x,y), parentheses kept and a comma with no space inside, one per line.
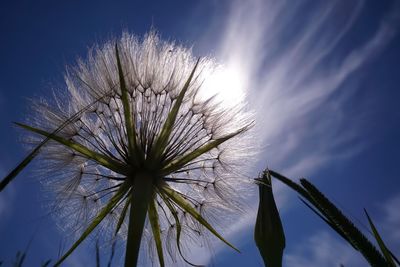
(142,193)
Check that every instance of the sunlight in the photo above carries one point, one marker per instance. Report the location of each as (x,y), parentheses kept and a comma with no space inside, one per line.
(227,85)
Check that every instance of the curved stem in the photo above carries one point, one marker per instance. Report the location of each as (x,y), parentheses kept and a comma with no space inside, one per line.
(141,193)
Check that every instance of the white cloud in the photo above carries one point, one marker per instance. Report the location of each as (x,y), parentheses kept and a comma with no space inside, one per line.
(285,61)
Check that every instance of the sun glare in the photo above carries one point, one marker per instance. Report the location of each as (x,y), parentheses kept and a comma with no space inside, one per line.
(227,85)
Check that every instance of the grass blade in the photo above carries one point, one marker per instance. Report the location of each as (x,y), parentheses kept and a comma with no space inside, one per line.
(385,251)
(268,232)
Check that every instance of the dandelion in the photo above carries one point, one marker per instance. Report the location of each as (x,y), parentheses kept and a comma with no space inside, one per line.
(137,151)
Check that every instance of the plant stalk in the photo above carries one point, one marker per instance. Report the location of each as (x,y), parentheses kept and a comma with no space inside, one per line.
(142,193)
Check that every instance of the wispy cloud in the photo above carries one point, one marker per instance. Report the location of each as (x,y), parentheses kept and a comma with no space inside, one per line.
(292,69)
(299,76)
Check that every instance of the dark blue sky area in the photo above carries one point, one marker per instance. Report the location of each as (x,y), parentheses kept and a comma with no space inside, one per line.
(39,38)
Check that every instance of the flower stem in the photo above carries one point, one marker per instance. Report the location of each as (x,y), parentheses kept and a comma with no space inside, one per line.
(142,193)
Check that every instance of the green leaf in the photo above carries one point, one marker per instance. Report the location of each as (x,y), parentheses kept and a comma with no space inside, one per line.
(96,221)
(180,162)
(155,226)
(99,158)
(166,130)
(268,233)
(181,202)
(381,244)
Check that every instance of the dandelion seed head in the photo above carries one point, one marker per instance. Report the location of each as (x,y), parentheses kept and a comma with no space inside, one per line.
(155,71)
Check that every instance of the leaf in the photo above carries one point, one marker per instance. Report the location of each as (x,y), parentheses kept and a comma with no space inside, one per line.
(180,162)
(99,158)
(181,202)
(96,221)
(268,233)
(166,130)
(381,244)
(155,226)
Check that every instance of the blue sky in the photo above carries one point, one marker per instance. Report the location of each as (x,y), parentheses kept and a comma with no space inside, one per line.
(321,76)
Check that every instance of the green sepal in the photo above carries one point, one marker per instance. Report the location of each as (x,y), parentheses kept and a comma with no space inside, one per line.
(99,158)
(129,124)
(182,161)
(36,150)
(166,130)
(186,206)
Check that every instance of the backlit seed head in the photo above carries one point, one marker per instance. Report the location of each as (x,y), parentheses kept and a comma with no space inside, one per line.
(155,73)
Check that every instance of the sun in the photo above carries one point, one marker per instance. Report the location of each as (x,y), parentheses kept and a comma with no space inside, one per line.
(226,84)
